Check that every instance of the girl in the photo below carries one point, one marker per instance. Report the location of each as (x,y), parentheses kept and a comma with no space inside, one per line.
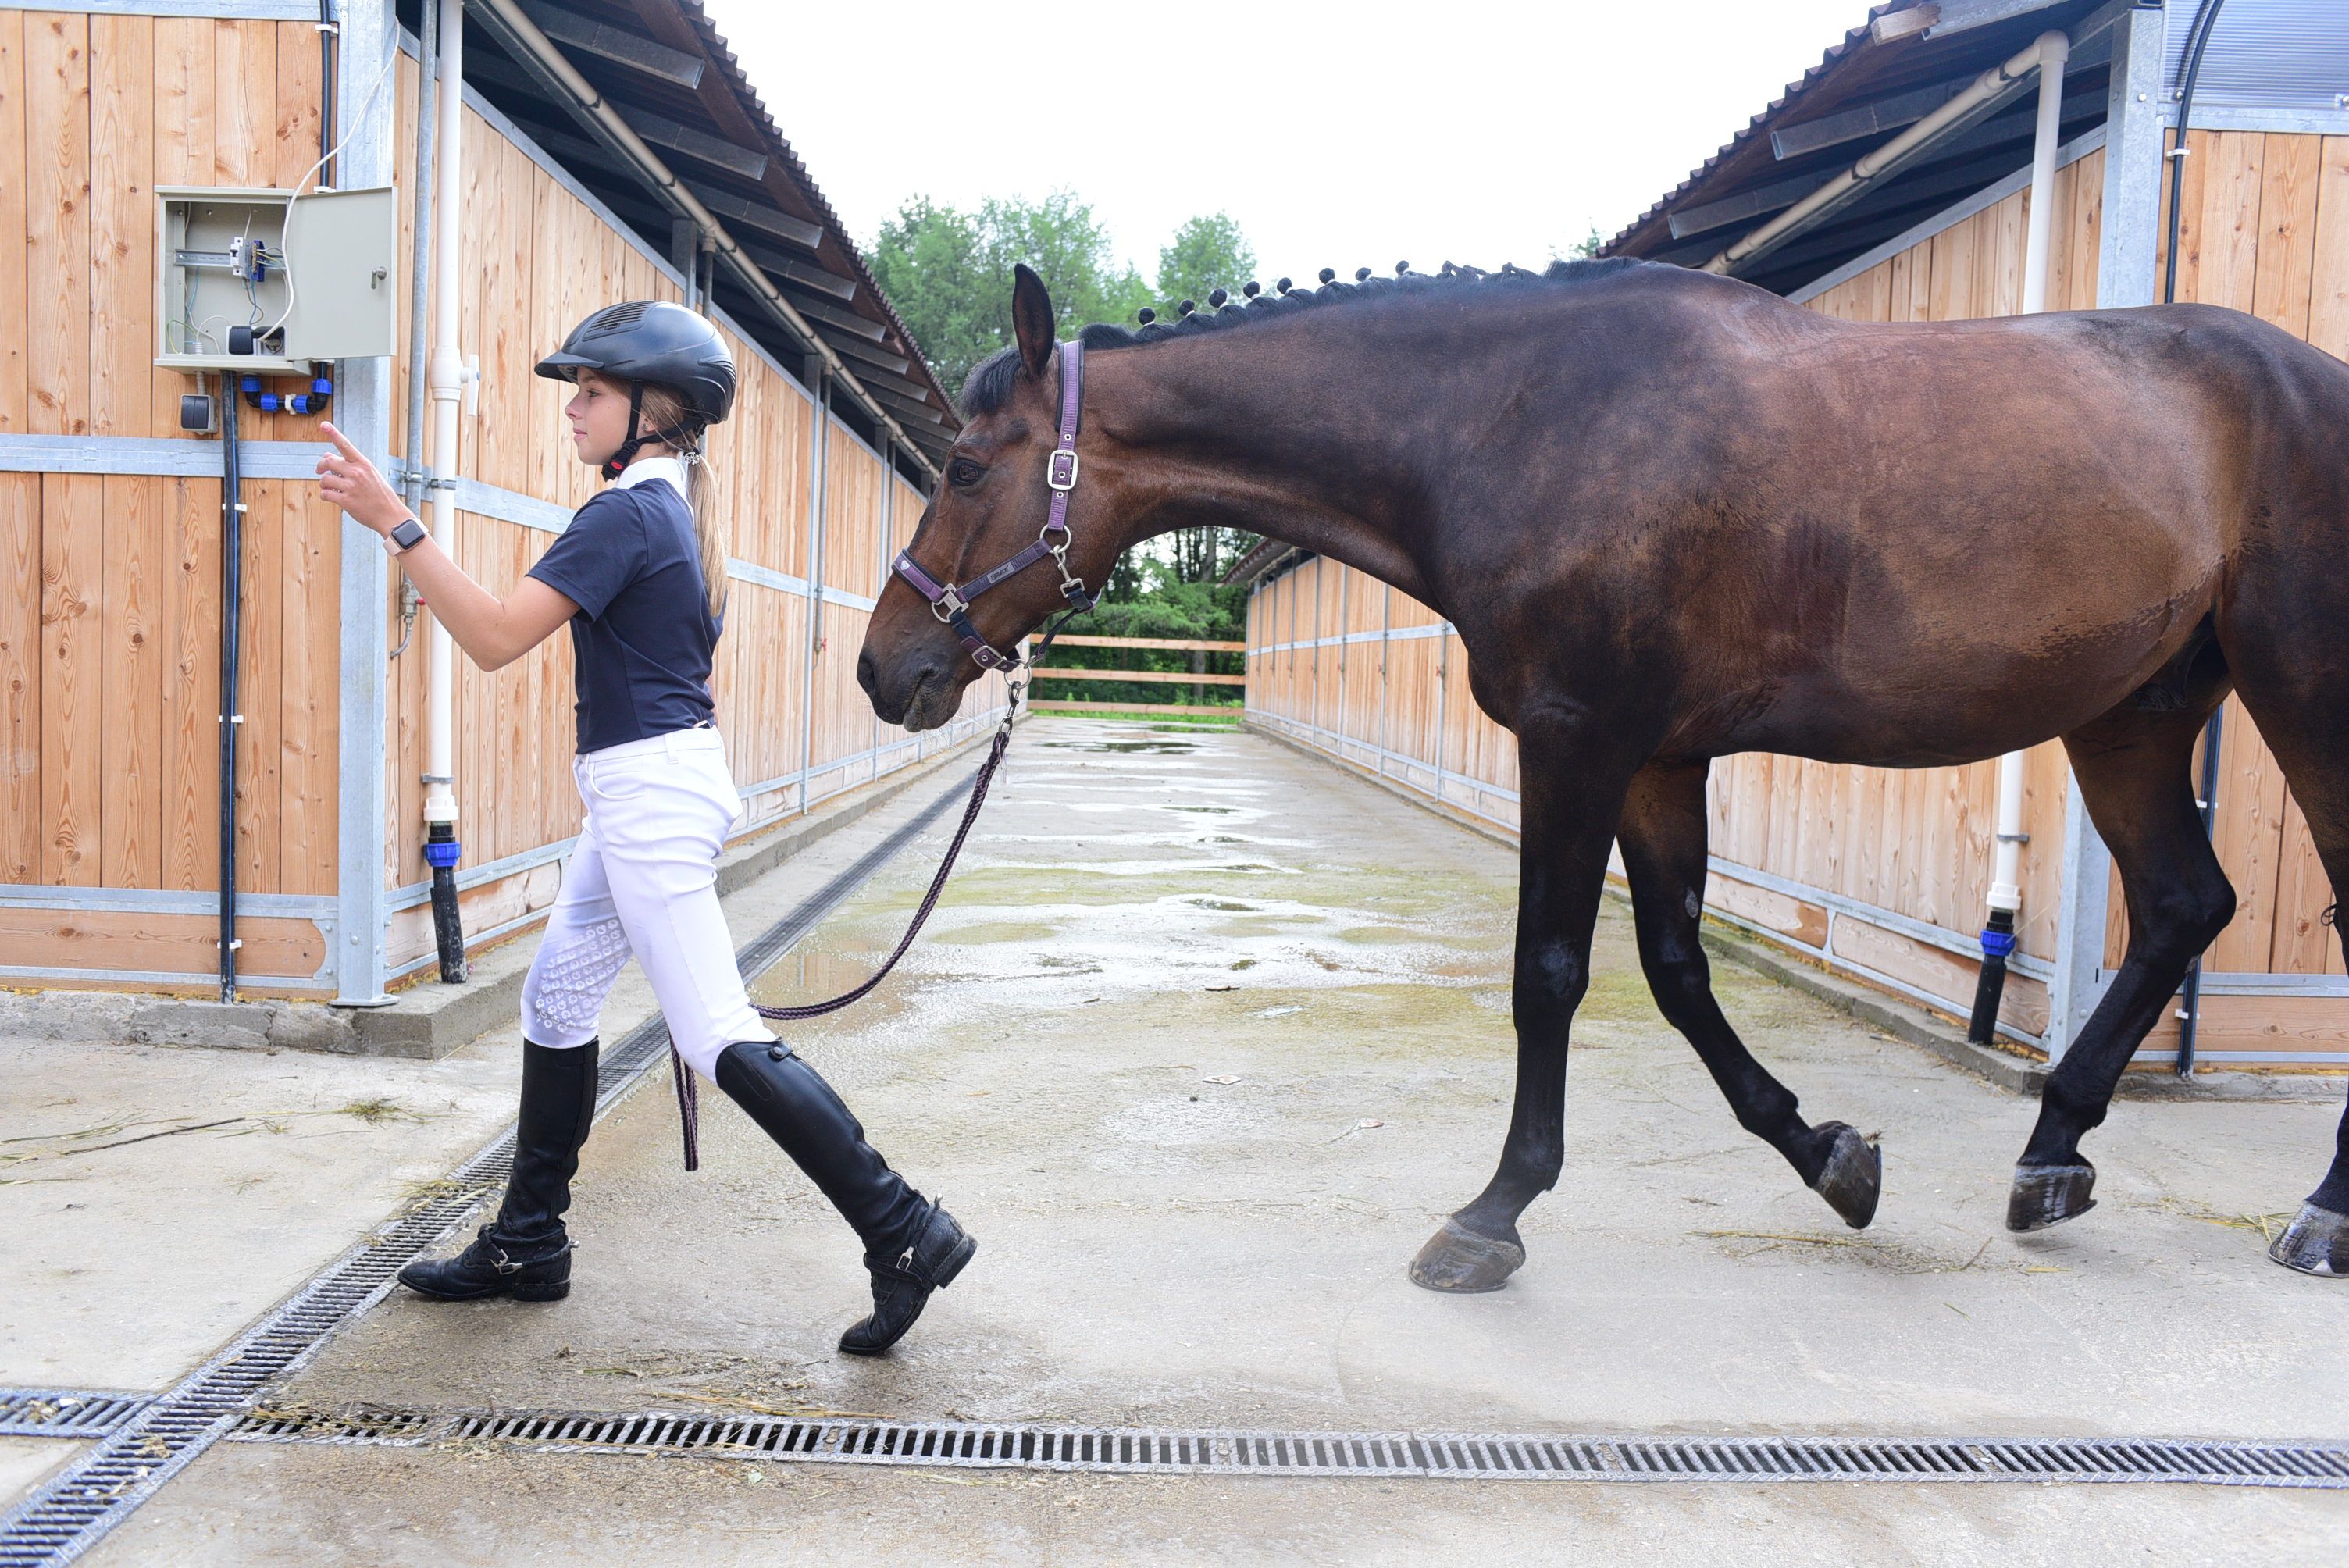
(640,576)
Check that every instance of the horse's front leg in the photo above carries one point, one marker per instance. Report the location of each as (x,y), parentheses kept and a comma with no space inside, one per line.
(1573,776)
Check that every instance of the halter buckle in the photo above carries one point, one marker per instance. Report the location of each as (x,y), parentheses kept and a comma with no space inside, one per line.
(948,605)
(1061,472)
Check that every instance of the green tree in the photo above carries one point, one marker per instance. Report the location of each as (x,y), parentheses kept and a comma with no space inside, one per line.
(948,273)
(932,266)
(1208,252)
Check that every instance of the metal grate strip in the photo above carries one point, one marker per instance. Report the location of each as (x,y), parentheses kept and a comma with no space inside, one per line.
(73,1511)
(1422,1455)
(67,1412)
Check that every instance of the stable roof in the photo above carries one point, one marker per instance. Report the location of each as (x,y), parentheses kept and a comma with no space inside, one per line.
(1904,62)
(663,68)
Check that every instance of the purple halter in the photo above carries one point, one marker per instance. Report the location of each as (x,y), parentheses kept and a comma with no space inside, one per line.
(951,603)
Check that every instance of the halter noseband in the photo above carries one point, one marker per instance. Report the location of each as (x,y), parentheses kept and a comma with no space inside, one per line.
(951,603)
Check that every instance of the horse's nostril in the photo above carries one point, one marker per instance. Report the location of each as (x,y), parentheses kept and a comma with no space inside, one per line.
(865,674)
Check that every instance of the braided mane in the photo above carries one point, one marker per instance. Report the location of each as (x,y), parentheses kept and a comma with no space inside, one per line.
(989,386)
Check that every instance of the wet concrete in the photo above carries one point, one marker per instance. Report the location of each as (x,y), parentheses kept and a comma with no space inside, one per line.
(1206,1040)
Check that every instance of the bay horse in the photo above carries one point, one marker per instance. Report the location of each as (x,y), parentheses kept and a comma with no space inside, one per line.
(1674,517)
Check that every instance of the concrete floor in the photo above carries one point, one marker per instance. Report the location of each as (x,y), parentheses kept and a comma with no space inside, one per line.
(1142,916)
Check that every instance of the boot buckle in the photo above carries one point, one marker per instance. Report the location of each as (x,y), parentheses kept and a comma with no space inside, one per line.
(504,1265)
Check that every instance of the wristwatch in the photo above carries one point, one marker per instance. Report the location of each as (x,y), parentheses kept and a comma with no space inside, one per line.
(406,537)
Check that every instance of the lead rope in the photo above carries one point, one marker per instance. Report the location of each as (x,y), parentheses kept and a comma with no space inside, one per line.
(688,1104)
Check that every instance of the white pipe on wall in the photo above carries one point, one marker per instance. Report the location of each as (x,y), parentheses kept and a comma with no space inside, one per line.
(2053,51)
(445,382)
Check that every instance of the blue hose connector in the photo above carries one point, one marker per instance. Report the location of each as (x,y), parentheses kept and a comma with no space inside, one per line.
(442,854)
(1997,943)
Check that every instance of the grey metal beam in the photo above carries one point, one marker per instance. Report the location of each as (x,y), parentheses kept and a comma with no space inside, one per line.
(856,348)
(806,275)
(616,44)
(369,42)
(1885,114)
(2133,162)
(815,309)
(782,225)
(1746,204)
(897,384)
(1963,15)
(904,409)
(714,150)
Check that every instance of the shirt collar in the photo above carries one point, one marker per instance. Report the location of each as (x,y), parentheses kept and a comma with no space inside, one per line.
(643,468)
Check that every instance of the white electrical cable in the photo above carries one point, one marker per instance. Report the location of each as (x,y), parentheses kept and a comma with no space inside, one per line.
(286,255)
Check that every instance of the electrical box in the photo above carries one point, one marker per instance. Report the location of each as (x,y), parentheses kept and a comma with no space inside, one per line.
(290,279)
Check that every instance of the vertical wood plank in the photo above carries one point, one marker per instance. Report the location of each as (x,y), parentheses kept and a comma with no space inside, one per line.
(131,749)
(2328,304)
(14,231)
(260,750)
(73,673)
(21,666)
(309,691)
(192,539)
(56,229)
(122,224)
(2249,831)
(2283,275)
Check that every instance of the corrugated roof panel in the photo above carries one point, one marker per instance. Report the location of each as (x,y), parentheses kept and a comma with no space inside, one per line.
(2269,53)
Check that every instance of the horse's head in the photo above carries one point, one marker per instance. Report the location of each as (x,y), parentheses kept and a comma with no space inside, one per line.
(992,503)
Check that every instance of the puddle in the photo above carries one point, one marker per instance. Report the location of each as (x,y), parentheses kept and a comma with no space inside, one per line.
(1208,810)
(1155,746)
(1221,903)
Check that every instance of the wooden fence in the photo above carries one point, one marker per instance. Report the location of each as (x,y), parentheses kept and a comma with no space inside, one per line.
(1884,874)
(1198,677)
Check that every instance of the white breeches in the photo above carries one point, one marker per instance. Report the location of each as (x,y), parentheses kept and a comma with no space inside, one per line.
(643,880)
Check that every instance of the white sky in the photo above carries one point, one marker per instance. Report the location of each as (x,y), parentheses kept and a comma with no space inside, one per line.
(1338,133)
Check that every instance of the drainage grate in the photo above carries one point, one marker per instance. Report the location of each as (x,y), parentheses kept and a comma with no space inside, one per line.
(67,1515)
(1427,1455)
(66,1412)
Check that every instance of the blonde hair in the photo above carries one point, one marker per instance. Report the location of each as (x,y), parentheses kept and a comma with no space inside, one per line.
(665,416)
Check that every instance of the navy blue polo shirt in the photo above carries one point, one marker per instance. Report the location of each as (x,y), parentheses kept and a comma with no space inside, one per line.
(642,643)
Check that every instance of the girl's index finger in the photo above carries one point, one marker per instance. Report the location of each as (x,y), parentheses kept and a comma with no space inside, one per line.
(341,440)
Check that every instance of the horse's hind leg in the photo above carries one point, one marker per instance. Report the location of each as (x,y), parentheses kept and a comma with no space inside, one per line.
(1663,836)
(2132,769)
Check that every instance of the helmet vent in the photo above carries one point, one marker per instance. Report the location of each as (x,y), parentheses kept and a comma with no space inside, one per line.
(619,316)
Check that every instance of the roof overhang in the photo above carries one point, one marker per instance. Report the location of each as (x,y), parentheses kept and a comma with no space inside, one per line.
(695,147)
(1897,70)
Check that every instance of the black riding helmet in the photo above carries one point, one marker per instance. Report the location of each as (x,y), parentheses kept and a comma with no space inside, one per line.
(655,341)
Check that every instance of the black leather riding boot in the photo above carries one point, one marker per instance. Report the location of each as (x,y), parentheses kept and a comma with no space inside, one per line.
(912,1246)
(525,1252)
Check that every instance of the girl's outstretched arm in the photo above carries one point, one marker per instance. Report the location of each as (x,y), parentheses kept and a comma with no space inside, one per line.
(493,632)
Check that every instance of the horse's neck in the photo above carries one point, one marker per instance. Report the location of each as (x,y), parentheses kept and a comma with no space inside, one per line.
(1282,445)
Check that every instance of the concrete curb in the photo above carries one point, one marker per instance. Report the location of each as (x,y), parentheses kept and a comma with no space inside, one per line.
(427,1020)
(1901,1020)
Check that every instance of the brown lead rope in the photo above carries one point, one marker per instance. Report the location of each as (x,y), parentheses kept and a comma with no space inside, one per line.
(688,1106)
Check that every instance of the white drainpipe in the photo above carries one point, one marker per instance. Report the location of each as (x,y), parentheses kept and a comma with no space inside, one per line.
(2005,892)
(2053,50)
(445,377)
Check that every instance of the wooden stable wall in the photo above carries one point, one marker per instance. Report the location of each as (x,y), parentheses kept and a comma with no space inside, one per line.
(109,618)
(1883,872)
(110,629)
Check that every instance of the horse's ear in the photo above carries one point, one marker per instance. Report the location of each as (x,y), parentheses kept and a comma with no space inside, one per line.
(1032,320)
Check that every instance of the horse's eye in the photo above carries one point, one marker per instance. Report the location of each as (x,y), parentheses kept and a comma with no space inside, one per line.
(963,473)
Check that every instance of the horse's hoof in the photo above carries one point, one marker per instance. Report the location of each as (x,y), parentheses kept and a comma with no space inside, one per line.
(2046,1195)
(2315,1243)
(1854,1177)
(1459,1262)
